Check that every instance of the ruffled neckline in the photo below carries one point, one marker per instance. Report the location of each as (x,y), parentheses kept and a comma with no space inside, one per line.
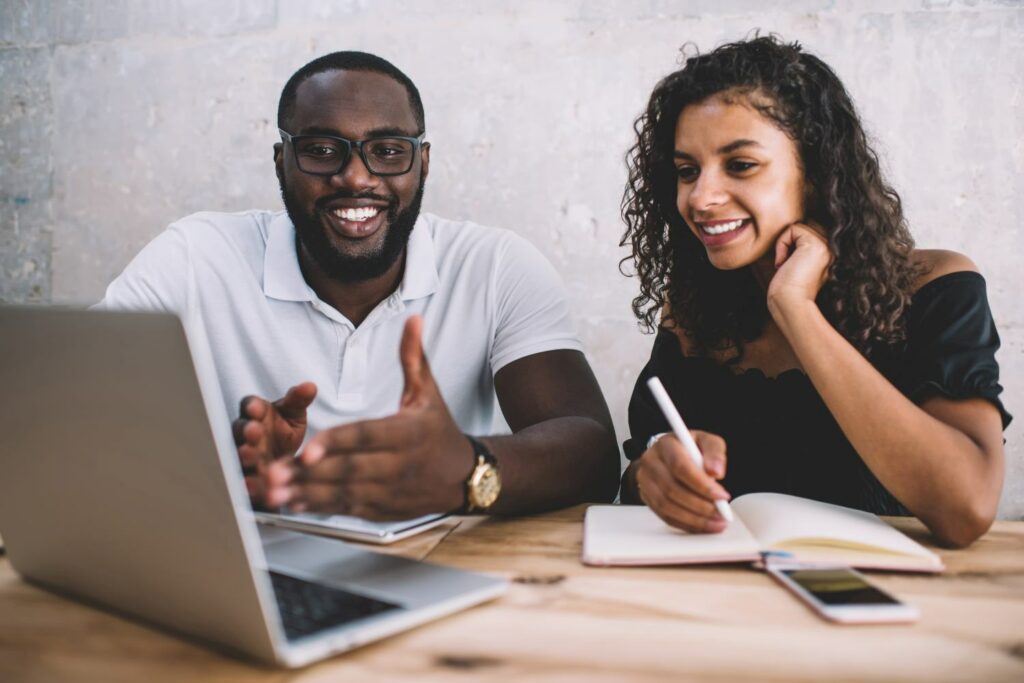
(748,373)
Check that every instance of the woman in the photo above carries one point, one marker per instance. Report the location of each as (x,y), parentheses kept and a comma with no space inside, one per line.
(803,338)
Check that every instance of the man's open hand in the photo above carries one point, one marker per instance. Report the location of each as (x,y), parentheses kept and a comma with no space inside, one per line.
(405,465)
(266,431)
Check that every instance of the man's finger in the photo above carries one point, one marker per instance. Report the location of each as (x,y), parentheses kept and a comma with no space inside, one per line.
(251,442)
(415,369)
(252,407)
(368,500)
(248,456)
(383,434)
(296,400)
(238,429)
(381,467)
(252,486)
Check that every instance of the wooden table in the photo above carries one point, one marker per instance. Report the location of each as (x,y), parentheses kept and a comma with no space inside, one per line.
(562,621)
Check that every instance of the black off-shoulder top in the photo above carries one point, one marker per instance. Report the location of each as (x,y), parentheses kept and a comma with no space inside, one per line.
(780,435)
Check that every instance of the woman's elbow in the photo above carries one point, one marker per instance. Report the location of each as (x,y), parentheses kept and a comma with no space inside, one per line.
(961,527)
(968,509)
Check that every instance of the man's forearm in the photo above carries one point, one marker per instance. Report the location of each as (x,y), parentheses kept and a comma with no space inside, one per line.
(556,463)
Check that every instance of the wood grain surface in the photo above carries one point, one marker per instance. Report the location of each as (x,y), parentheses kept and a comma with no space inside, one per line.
(562,621)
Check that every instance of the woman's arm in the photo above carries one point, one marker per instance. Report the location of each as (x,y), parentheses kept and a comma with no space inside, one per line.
(943,459)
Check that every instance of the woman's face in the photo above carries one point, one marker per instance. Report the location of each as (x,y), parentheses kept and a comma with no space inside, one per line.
(740,180)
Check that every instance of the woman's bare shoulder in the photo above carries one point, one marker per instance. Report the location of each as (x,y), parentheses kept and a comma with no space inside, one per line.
(934,263)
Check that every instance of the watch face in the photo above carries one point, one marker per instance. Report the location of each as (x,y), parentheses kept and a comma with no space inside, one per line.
(486,486)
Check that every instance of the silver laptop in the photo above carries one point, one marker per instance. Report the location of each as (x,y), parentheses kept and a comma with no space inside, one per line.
(120,486)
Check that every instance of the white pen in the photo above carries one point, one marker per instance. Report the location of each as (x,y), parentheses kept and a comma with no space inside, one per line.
(675,421)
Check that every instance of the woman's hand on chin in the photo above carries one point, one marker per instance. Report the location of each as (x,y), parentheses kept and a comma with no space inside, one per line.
(802,258)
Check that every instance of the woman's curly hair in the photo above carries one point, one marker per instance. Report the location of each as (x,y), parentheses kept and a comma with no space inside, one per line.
(870,281)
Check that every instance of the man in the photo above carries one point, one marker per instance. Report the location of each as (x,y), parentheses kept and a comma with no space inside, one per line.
(353,273)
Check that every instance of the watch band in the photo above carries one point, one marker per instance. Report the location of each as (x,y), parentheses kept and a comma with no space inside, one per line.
(479,449)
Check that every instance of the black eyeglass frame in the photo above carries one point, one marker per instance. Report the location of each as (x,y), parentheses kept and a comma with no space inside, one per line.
(417,144)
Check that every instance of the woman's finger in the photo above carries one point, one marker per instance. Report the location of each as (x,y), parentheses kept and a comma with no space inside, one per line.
(672,500)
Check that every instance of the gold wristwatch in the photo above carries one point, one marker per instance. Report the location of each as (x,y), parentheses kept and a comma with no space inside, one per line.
(484,483)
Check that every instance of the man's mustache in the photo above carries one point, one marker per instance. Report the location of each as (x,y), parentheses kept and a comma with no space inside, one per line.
(322,203)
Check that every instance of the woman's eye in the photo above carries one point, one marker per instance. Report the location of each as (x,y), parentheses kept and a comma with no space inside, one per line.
(687,173)
(737,166)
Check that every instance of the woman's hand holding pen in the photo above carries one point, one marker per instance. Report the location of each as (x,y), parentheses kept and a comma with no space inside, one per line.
(677,490)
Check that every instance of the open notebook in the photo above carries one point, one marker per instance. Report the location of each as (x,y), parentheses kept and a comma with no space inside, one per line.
(797,529)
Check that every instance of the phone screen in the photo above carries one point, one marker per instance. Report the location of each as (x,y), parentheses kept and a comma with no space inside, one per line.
(838,587)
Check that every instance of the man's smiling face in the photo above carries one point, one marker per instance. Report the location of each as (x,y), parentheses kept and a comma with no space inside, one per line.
(353,224)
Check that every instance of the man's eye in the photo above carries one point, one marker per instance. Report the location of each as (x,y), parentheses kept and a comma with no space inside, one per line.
(390,150)
(737,166)
(320,151)
(687,173)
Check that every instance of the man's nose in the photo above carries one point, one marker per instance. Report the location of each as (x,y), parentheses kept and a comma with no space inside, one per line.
(354,175)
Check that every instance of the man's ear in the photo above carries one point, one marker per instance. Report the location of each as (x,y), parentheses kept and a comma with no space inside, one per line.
(279,161)
(424,159)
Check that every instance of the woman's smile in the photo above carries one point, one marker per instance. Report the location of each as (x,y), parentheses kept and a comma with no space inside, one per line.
(720,232)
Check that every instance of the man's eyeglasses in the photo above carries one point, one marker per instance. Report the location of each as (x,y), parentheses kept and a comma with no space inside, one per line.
(327,155)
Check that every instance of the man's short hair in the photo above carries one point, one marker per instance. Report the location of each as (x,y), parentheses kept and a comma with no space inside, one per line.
(348,60)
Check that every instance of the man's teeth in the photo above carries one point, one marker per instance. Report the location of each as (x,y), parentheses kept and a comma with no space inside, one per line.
(722,228)
(359,215)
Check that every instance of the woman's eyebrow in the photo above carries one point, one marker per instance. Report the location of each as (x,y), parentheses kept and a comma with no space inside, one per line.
(725,149)
(738,144)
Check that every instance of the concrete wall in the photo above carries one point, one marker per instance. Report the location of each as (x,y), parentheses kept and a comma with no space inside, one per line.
(117,117)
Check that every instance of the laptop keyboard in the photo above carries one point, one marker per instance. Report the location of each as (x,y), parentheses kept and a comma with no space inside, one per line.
(308,607)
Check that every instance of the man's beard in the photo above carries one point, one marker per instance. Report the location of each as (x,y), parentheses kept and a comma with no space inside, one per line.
(311,235)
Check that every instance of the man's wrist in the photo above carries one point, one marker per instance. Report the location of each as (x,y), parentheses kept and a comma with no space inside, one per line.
(483,485)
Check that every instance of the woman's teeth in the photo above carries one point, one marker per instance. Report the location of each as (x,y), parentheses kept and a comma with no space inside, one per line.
(357,215)
(722,228)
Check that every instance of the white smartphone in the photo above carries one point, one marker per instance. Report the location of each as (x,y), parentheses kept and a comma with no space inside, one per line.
(843,595)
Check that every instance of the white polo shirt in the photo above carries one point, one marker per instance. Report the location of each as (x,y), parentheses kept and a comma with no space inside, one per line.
(487,297)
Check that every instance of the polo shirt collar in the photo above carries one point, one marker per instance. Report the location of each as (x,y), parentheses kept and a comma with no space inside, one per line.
(282,277)
(420,278)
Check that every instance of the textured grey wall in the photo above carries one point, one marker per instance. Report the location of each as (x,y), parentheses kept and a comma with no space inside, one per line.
(118,117)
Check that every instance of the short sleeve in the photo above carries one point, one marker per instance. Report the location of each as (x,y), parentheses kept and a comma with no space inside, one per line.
(952,343)
(157,279)
(531,310)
